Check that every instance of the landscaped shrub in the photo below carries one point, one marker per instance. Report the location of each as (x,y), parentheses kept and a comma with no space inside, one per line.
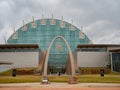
(93,70)
(25,72)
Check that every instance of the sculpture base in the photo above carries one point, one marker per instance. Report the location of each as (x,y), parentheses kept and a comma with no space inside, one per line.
(45,80)
(72,80)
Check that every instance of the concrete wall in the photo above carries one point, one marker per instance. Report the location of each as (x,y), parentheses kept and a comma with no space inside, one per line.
(92,59)
(20,59)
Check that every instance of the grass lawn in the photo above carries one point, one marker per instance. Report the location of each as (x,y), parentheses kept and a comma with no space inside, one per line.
(99,79)
(81,78)
(6,77)
(19,79)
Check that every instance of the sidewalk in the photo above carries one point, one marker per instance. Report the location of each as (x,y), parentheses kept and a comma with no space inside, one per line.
(60,85)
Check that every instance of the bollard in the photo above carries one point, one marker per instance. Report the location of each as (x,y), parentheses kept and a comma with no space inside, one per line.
(14,72)
(102,72)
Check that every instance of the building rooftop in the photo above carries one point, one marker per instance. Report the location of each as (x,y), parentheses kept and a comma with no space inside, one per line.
(3,46)
(115,50)
(97,45)
(7,63)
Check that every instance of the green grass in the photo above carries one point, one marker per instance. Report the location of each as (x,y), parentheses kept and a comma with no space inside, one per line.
(6,73)
(81,79)
(20,79)
(99,79)
(114,73)
(113,77)
(58,78)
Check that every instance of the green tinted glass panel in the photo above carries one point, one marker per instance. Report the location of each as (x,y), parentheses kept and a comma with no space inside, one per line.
(43,35)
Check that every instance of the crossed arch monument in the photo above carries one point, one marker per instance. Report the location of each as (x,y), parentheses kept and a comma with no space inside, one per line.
(69,52)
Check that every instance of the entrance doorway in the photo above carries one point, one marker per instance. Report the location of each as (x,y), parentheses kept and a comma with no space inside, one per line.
(56,70)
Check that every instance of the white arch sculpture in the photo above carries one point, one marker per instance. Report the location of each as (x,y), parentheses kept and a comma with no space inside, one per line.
(69,51)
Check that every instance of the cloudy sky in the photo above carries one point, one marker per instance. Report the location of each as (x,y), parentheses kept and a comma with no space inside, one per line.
(100,19)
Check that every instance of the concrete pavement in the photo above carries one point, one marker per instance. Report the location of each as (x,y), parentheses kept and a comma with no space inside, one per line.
(60,86)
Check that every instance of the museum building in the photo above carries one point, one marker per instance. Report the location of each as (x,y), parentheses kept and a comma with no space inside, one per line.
(52,45)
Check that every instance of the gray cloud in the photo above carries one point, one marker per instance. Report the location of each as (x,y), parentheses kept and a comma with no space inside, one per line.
(100,18)
(1,25)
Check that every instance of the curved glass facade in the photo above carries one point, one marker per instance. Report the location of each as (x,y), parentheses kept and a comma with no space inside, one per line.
(42,32)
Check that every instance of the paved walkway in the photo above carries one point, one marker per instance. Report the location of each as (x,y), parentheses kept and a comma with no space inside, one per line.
(60,86)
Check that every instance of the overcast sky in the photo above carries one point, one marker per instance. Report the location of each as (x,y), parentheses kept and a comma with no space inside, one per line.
(100,18)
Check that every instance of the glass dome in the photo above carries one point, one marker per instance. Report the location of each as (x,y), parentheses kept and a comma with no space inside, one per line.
(42,32)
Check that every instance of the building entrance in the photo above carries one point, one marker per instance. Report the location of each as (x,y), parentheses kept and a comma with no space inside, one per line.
(56,70)
(115,62)
(52,52)
(57,63)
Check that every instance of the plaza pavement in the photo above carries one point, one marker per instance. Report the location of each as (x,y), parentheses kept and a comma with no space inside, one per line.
(60,86)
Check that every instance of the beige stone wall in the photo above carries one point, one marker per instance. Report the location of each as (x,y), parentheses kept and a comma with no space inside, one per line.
(92,59)
(20,59)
